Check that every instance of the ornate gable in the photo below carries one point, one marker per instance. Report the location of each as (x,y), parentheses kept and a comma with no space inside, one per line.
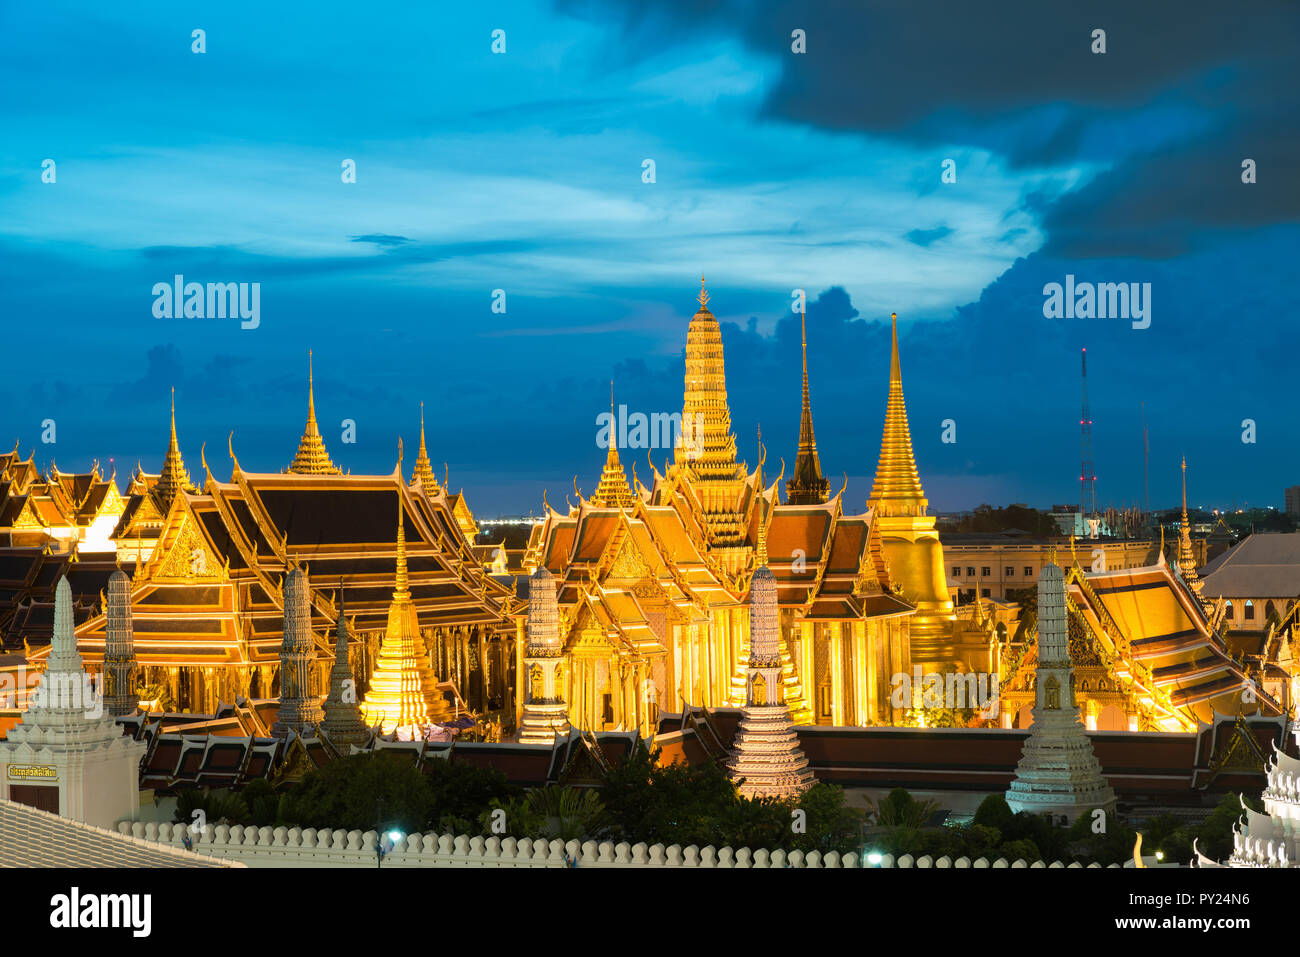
(183,553)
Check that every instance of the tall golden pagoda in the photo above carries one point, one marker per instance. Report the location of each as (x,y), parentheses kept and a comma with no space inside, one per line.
(613,490)
(174,477)
(807,486)
(706,456)
(910,539)
(312,459)
(403,690)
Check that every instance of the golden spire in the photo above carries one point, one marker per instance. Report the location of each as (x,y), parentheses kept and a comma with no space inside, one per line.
(707,449)
(423,468)
(174,477)
(613,490)
(312,459)
(760,554)
(806,485)
(401,590)
(897,489)
(1186,558)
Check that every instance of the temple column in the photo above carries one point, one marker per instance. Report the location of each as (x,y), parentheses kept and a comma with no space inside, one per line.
(519,671)
(484,672)
(873,670)
(837,672)
(859,671)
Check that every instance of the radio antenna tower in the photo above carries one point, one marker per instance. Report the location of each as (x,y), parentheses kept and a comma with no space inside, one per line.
(1087,473)
(1146,462)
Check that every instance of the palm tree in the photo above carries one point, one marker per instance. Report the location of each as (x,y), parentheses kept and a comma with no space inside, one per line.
(569,813)
(900,809)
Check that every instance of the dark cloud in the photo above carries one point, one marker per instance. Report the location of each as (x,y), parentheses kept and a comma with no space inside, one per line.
(928,237)
(1180,97)
(381,239)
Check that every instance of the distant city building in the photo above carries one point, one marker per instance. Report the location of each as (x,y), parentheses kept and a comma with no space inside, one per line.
(1292,500)
(990,566)
(1259,580)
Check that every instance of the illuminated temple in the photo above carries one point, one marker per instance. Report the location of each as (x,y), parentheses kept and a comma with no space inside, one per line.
(634,602)
(653,580)
(208,566)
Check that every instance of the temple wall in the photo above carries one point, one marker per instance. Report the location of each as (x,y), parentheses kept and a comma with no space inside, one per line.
(291,847)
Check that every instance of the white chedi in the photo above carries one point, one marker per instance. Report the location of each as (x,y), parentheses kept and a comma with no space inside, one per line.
(545,715)
(66,743)
(766,758)
(1058,773)
(1272,839)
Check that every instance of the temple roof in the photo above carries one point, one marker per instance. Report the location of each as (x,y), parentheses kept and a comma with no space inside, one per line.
(252,529)
(1262,565)
(823,560)
(1167,633)
(40,839)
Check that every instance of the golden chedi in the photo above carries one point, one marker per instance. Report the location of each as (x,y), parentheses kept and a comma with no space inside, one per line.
(910,539)
(403,689)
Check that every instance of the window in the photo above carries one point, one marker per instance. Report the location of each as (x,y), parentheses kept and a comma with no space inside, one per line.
(971,572)
(985,570)
(1011,571)
(1227,610)
(956,571)
(984,593)
(1029,571)
(1250,611)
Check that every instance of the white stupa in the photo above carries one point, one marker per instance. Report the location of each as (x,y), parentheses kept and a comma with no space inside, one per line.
(1058,773)
(67,754)
(545,714)
(1272,839)
(766,758)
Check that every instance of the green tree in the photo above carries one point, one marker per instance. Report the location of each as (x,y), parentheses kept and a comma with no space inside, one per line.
(361,792)
(900,809)
(218,807)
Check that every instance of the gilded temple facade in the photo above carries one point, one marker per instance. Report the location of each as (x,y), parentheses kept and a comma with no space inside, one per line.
(208,565)
(1147,654)
(653,580)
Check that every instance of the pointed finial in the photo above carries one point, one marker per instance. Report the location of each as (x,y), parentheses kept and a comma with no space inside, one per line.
(803,337)
(401,590)
(895,367)
(760,555)
(703,298)
(173,413)
(1184,489)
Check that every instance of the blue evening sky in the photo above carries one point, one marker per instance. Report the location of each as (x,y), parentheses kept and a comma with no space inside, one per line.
(522,171)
